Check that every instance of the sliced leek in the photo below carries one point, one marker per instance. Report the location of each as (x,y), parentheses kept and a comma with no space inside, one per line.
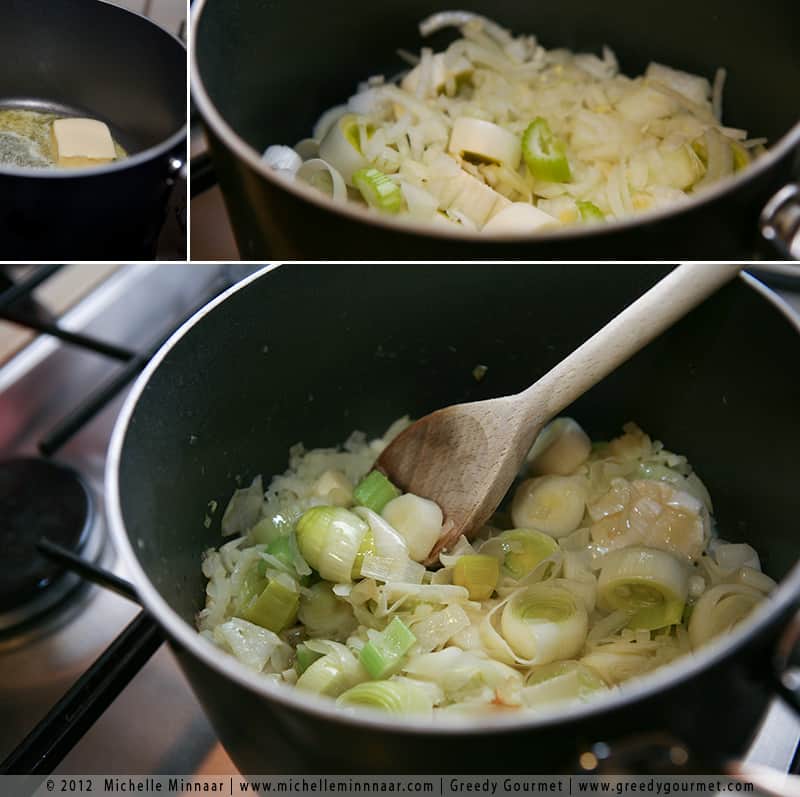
(329,538)
(385,653)
(336,671)
(324,615)
(374,491)
(418,520)
(275,608)
(479,141)
(520,550)
(342,145)
(560,681)
(393,697)
(553,504)
(521,218)
(589,212)
(544,154)
(561,448)
(478,573)
(720,609)
(650,584)
(538,624)
(379,190)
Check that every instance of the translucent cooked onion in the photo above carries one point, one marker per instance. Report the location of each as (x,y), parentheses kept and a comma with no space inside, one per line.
(560,681)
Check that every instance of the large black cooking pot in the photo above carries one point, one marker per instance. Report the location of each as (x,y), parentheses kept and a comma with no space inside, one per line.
(263,72)
(90,58)
(311,352)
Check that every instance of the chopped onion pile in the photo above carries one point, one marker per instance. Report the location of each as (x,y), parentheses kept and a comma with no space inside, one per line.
(604,566)
(498,135)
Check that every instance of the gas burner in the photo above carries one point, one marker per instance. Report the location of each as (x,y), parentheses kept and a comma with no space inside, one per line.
(40,498)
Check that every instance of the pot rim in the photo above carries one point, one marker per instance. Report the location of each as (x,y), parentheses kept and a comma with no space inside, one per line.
(244,152)
(165,146)
(187,637)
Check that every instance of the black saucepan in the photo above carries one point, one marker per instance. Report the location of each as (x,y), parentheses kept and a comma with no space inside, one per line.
(262,73)
(91,58)
(311,352)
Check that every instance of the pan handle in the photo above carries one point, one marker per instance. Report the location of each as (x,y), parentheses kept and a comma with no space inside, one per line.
(779,222)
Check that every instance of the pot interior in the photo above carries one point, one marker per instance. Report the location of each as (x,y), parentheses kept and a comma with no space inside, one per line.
(277,363)
(94,59)
(271,69)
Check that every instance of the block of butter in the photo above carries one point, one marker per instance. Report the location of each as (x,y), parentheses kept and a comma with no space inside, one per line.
(81,142)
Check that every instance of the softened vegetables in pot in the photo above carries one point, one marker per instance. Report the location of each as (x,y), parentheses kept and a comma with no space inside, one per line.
(607,566)
(497,135)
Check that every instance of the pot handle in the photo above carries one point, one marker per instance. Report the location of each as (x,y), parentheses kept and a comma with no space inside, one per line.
(786,677)
(779,222)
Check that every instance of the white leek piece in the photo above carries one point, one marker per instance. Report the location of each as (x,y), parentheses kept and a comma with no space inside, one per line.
(553,504)
(463,193)
(720,609)
(418,521)
(560,681)
(341,146)
(329,538)
(520,217)
(561,448)
(324,177)
(538,624)
(478,141)
(650,584)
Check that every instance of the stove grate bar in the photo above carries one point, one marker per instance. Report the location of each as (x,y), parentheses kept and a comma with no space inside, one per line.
(25,287)
(87,570)
(63,727)
(74,338)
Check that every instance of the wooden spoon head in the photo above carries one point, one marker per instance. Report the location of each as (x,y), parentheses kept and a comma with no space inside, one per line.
(462,457)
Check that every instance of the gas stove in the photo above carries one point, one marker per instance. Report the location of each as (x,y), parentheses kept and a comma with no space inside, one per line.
(59,398)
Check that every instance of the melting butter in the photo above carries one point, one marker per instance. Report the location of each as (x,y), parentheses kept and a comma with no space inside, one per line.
(25,139)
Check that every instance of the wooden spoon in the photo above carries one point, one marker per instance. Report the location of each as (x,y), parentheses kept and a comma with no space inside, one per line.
(466,456)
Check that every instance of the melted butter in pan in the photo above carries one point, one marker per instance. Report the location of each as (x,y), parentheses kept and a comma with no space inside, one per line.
(25,139)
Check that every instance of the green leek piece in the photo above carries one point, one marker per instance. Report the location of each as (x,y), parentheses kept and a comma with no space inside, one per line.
(478,573)
(379,190)
(281,549)
(521,549)
(305,657)
(275,608)
(544,154)
(329,539)
(374,491)
(252,585)
(589,212)
(385,655)
(394,697)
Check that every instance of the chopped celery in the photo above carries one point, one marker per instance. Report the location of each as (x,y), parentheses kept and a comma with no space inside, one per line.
(478,573)
(275,608)
(384,655)
(379,190)
(305,658)
(544,154)
(589,211)
(374,491)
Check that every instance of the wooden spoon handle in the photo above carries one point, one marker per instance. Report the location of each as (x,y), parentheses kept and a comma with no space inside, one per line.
(655,311)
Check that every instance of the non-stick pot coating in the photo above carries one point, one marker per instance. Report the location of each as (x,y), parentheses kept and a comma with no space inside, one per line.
(309,353)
